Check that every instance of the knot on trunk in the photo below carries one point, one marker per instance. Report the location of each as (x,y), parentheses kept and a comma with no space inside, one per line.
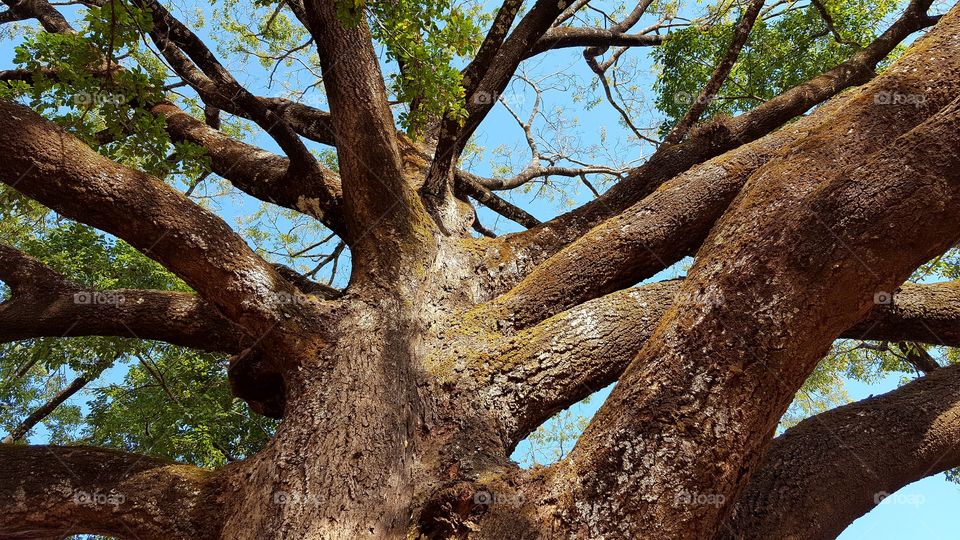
(254,379)
(451,511)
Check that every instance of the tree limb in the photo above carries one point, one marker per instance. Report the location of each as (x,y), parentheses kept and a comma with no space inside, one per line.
(259,173)
(472,185)
(774,331)
(536,245)
(45,304)
(49,165)
(20,430)
(376,193)
(565,37)
(169,34)
(656,232)
(60,491)
(254,171)
(486,87)
(549,367)
(834,467)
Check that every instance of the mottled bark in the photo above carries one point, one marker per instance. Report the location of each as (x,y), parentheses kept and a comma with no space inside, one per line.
(830,469)
(693,412)
(53,491)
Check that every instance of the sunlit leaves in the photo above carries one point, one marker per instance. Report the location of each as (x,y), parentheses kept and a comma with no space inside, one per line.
(176,403)
(789,45)
(424,38)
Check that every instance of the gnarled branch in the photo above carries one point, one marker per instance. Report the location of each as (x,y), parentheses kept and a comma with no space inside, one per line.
(50,491)
(49,165)
(834,467)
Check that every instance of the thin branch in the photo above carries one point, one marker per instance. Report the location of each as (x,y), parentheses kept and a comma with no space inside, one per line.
(720,74)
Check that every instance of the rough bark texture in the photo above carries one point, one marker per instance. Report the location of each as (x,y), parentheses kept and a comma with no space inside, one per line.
(827,471)
(50,492)
(403,396)
(704,425)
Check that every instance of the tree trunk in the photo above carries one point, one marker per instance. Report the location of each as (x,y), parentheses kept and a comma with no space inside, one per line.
(403,396)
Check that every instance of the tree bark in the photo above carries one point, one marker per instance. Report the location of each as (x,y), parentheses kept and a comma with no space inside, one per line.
(830,469)
(402,396)
(706,391)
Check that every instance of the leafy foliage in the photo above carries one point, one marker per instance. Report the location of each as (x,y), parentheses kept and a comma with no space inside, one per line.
(423,37)
(786,47)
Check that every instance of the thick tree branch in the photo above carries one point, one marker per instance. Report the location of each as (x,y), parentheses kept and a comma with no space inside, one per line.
(171,36)
(47,164)
(536,245)
(9,16)
(45,304)
(651,235)
(551,366)
(41,10)
(376,193)
(472,186)
(881,216)
(259,173)
(486,86)
(832,468)
(252,170)
(478,67)
(907,315)
(49,491)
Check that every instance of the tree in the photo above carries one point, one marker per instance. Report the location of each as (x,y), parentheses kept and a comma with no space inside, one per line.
(808,194)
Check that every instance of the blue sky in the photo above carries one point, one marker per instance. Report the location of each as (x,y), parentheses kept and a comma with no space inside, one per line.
(923,510)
